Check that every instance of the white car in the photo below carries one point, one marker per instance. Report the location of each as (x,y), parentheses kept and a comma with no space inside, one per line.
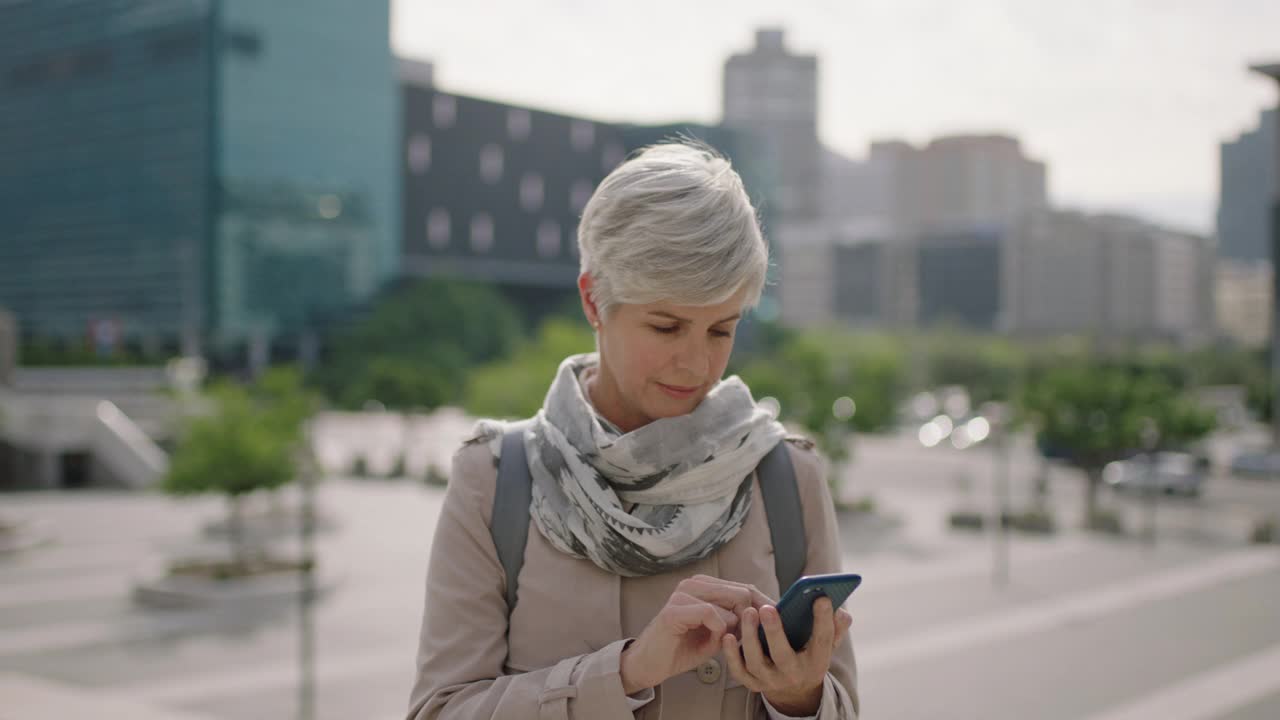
(1173,473)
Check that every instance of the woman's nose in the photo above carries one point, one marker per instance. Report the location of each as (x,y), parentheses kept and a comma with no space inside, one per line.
(694,360)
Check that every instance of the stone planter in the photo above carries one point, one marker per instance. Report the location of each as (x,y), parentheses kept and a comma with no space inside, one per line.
(1037,522)
(215,582)
(19,535)
(1107,522)
(266,523)
(966,520)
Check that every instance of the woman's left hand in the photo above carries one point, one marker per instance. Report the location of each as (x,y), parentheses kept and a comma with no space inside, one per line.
(791,681)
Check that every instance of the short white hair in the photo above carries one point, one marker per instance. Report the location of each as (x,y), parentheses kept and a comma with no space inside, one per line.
(673,223)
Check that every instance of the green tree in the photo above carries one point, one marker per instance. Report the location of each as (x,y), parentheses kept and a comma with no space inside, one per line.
(987,367)
(807,375)
(251,441)
(1098,413)
(515,387)
(417,345)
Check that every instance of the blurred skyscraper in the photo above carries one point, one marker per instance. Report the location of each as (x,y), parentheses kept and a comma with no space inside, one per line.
(1248,183)
(1107,276)
(195,175)
(773,93)
(980,183)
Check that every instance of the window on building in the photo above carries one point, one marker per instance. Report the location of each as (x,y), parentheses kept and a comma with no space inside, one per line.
(531,191)
(419,153)
(438,228)
(64,65)
(582,135)
(491,163)
(579,194)
(519,123)
(244,41)
(548,243)
(444,111)
(612,156)
(482,232)
(174,45)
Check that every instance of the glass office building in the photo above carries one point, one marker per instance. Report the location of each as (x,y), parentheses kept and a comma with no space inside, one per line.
(194,174)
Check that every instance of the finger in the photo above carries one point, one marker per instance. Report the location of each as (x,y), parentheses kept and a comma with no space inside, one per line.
(727,595)
(758,598)
(823,622)
(757,663)
(729,617)
(737,666)
(824,631)
(844,621)
(684,618)
(783,657)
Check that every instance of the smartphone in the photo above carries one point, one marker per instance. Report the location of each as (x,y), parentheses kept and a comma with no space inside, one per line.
(796,605)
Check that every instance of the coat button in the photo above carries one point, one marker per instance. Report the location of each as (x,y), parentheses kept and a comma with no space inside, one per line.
(709,671)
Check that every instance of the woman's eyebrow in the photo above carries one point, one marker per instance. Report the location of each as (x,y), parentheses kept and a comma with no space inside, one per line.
(735,316)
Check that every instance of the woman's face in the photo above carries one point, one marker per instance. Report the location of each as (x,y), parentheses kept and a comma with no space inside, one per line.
(649,353)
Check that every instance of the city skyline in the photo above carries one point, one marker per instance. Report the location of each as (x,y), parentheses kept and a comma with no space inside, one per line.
(1156,84)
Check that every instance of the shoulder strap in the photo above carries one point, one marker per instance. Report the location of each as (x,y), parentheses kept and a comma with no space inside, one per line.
(781,498)
(510,522)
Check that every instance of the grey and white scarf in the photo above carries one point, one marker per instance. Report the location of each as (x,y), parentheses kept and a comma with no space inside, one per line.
(688,476)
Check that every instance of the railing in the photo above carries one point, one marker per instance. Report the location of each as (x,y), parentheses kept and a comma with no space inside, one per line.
(127,453)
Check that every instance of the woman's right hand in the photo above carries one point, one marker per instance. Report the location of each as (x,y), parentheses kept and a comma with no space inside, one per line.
(687,630)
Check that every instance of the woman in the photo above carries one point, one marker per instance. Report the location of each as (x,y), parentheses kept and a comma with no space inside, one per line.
(648,564)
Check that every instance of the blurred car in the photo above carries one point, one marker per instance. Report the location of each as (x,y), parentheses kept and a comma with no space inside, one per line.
(1172,473)
(1258,463)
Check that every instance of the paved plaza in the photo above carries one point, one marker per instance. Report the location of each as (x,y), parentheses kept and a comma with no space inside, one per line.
(1088,627)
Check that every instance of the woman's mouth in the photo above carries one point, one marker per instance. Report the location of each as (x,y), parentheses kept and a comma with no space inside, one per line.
(679,392)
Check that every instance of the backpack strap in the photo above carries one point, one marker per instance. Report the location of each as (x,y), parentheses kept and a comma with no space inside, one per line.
(781,498)
(514,492)
(511,498)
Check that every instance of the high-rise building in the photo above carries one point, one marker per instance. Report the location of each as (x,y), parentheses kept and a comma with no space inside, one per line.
(956,183)
(1248,182)
(849,193)
(418,73)
(1108,276)
(773,93)
(194,175)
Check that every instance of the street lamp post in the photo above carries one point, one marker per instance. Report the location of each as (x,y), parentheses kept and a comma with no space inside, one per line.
(1150,434)
(1272,70)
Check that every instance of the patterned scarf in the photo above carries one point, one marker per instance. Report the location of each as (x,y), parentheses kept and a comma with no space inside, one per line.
(688,476)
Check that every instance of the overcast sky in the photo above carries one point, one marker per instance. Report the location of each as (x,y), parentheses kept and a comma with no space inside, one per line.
(1126,100)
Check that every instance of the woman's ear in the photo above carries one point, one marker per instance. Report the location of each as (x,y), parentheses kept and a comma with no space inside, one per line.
(588,305)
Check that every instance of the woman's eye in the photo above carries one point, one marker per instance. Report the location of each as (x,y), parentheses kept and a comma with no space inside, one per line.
(674,328)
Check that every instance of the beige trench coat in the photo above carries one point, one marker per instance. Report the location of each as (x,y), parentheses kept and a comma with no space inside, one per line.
(559,657)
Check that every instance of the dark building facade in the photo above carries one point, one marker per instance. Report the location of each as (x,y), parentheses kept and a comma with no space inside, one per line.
(494,192)
(958,277)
